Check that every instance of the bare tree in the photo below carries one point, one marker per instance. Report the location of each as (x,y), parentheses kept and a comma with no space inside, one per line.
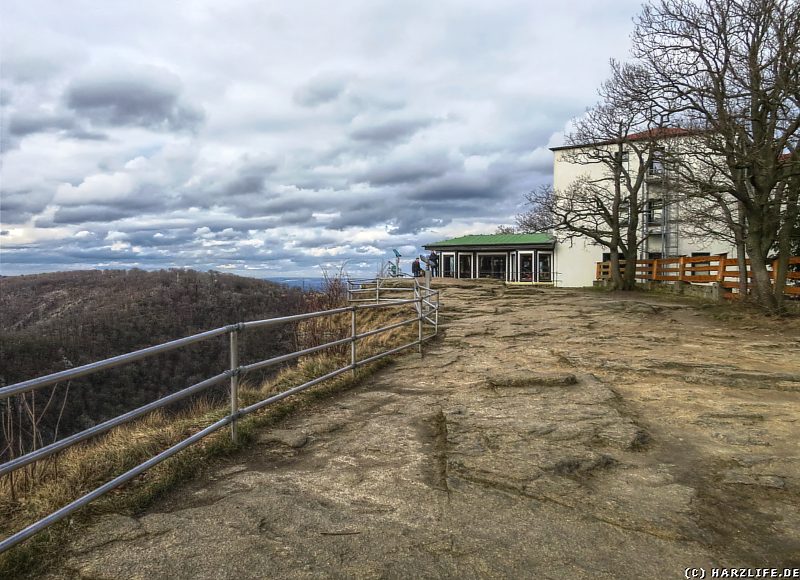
(730,71)
(505,229)
(707,208)
(616,141)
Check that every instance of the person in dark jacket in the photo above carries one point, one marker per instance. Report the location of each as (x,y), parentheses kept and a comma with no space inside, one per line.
(433,263)
(416,269)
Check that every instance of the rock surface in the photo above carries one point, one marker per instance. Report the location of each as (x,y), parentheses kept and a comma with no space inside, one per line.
(548,434)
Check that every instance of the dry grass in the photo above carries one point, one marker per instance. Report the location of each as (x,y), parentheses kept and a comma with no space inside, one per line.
(84,467)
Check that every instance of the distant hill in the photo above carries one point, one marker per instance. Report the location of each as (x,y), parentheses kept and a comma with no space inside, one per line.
(50,322)
(308,283)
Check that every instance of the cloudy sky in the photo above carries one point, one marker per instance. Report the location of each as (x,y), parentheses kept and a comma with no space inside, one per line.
(273,138)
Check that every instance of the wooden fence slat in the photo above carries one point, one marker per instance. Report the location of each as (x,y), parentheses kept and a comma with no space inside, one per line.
(700,269)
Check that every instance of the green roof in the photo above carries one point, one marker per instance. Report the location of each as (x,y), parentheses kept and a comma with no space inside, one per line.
(497,240)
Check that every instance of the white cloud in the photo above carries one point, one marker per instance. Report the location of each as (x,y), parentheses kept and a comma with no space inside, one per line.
(100,188)
(268,137)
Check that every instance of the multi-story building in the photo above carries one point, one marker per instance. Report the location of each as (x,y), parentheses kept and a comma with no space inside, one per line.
(662,233)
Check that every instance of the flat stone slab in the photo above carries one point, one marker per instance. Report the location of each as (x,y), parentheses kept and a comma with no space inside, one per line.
(552,434)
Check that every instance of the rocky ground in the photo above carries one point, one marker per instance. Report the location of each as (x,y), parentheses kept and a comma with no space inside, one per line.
(548,434)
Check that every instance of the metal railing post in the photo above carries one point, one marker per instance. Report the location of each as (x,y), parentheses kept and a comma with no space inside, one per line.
(436,316)
(418,296)
(234,384)
(353,338)
(377,290)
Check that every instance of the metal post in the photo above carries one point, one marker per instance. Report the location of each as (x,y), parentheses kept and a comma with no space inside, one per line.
(353,338)
(436,316)
(234,383)
(418,296)
(377,290)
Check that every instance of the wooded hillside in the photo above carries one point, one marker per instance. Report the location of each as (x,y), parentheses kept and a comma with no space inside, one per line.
(51,322)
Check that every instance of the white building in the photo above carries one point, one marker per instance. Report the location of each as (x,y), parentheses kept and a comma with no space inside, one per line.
(663,234)
(514,258)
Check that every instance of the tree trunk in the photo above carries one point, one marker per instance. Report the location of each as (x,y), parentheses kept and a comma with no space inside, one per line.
(616,275)
(629,276)
(763,291)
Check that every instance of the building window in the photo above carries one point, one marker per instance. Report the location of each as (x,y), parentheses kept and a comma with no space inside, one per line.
(526,266)
(624,213)
(492,266)
(448,265)
(656,163)
(545,273)
(654,212)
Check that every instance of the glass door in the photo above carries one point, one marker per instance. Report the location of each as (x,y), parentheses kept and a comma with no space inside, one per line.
(449,265)
(465,265)
(526,266)
(492,266)
(545,263)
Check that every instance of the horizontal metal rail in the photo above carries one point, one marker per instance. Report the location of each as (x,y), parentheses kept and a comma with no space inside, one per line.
(56,516)
(388,302)
(422,297)
(294,390)
(386,328)
(101,428)
(383,288)
(108,363)
(390,352)
(293,355)
(293,318)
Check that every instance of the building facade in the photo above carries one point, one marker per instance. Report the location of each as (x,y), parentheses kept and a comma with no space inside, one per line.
(514,258)
(663,233)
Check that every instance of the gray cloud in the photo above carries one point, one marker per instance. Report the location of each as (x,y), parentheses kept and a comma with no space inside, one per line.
(407,171)
(320,90)
(21,124)
(18,206)
(461,187)
(312,146)
(143,96)
(389,131)
(84,135)
(87,214)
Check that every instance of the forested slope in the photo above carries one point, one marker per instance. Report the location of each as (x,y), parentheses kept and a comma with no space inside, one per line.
(49,322)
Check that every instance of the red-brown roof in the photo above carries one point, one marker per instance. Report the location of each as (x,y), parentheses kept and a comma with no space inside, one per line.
(657,133)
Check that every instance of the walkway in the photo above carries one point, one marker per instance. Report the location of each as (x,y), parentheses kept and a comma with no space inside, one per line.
(550,434)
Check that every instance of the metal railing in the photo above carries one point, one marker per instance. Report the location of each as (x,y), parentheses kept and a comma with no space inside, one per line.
(425,302)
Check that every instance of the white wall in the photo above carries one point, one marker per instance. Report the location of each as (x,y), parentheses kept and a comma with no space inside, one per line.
(575,261)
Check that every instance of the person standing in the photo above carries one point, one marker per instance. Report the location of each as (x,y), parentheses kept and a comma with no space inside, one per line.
(416,269)
(433,263)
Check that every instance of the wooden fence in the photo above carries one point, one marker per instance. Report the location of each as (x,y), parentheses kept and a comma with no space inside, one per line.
(702,270)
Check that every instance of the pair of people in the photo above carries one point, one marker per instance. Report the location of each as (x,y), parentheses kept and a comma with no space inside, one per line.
(433,265)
